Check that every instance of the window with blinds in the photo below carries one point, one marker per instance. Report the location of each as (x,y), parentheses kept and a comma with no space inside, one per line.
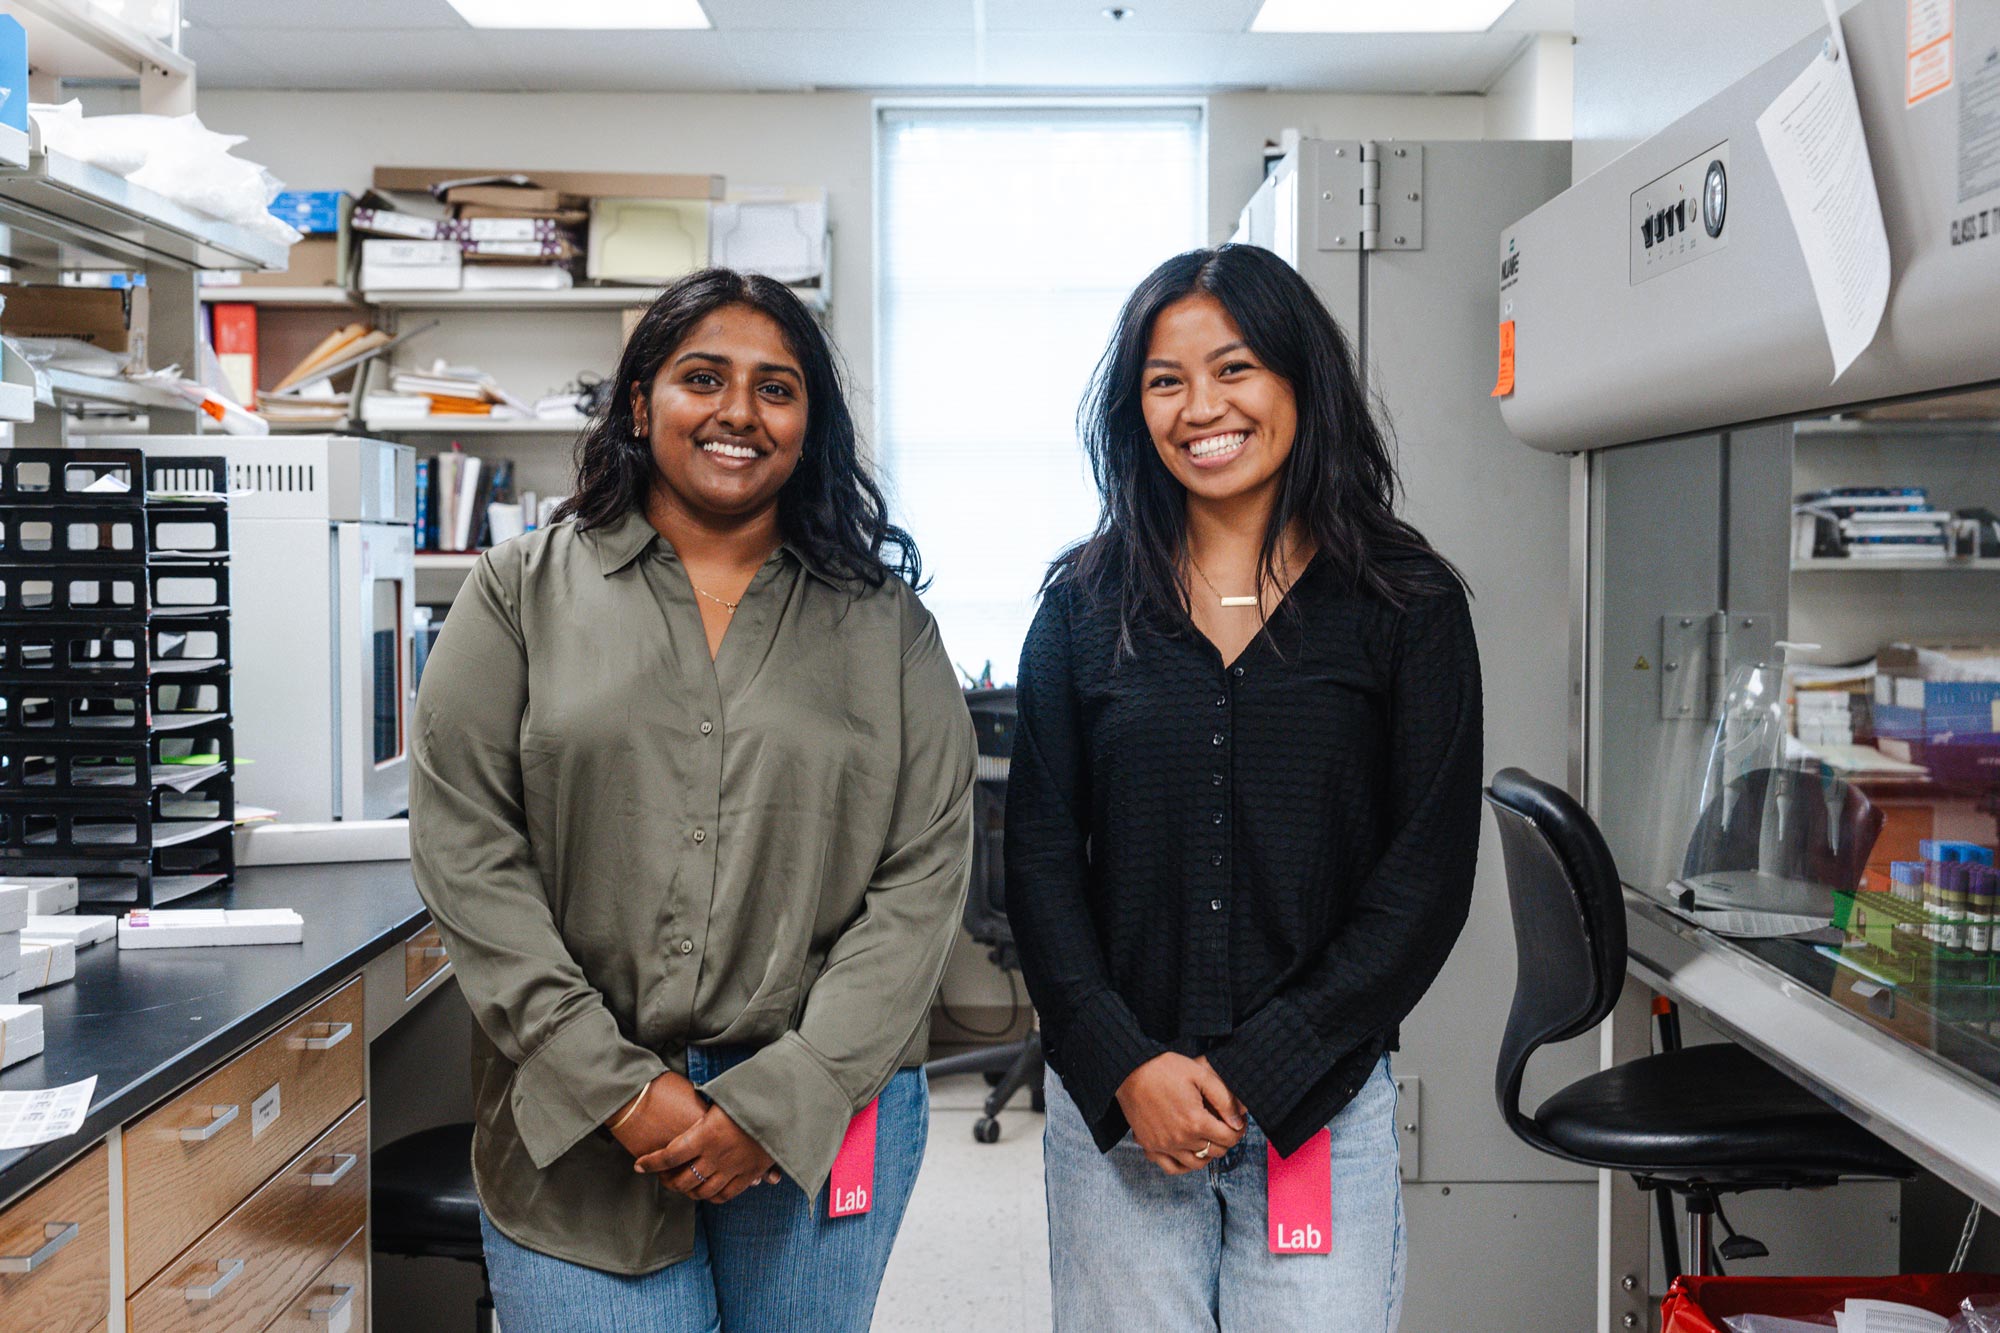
(1008,239)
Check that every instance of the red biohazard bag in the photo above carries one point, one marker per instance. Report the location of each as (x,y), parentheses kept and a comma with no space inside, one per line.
(1699,1304)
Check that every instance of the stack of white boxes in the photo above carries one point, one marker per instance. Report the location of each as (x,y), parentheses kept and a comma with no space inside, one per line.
(46,958)
(20,1024)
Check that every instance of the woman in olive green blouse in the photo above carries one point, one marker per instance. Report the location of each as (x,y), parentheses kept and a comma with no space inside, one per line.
(691,804)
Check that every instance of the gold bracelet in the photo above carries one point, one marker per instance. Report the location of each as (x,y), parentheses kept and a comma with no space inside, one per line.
(633,1109)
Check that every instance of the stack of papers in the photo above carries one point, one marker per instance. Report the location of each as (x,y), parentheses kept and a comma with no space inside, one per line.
(458,391)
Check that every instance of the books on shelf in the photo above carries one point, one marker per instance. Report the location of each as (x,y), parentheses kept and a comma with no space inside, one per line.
(457,390)
(1869,523)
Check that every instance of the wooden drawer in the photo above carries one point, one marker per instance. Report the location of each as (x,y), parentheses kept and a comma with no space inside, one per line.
(264,1253)
(178,1185)
(335,1300)
(68,1290)
(423,958)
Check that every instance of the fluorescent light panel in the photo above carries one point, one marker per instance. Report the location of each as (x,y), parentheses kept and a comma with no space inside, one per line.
(619,14)
(1377,15)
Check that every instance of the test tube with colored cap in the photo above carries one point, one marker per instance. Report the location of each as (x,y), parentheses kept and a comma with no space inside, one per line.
(1953,899)
(1982,891)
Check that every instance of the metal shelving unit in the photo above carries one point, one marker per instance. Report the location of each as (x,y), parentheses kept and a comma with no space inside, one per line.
(1889,565)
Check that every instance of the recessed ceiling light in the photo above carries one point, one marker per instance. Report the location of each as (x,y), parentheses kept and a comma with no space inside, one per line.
(1378,15)
(582,13)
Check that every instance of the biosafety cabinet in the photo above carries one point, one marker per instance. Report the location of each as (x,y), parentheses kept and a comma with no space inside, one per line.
(1785,563)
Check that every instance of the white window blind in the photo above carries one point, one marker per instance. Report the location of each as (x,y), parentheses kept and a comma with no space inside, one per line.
(1009,238)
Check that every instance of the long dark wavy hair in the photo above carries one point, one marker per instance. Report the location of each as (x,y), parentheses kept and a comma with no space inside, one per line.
(1339,483)
(830,506)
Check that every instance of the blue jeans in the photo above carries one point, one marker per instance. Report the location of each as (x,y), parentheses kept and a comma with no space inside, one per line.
(768,1261)
(1133,1248)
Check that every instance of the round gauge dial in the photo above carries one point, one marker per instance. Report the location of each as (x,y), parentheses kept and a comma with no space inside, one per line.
(1714,198)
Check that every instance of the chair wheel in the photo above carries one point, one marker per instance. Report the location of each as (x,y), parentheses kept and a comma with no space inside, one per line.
(986,1129)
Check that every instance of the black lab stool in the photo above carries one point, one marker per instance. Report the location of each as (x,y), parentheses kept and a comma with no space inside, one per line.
(1698,1122)
(424,1206)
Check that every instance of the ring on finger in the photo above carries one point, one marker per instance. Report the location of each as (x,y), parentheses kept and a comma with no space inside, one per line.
(699,1178)
(1206,1149)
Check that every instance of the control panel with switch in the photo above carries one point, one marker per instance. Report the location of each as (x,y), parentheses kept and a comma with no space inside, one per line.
(1681,216)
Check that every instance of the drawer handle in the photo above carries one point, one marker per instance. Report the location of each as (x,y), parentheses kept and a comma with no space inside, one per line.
(222,1116)
(326,1314)
(336,1033)
(228,1270)
(333,1177)
(428,950)
(59,1235)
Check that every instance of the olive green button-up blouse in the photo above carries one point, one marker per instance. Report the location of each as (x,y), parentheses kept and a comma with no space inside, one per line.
(631,849)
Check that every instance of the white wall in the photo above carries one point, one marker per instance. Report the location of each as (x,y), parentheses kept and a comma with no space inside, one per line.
(1532,99)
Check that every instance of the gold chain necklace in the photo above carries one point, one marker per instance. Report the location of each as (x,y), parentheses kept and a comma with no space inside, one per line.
(1249,600)
(719,601)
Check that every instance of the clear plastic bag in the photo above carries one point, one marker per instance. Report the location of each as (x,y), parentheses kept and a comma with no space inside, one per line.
(1976,1315)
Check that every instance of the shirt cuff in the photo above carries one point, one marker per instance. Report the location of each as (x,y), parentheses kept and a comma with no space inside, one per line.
(784,1097)
(1101,1045)
(1272,1062)
(575,1081)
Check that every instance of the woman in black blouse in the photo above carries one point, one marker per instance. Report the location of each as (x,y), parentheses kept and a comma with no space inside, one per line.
(1242,820)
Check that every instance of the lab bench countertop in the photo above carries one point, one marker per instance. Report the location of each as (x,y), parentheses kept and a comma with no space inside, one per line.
(148,1022)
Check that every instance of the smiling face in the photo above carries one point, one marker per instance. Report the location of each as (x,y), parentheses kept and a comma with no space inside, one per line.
(1222,422)
(726,416)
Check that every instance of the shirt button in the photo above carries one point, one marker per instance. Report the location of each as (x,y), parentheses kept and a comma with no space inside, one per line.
(1222,702)
(707,727)
(1215,860)
(1215,818)
(1216,739)
(1215,904)
(1215,779)
(687,946)
(1237,672)
(701,835)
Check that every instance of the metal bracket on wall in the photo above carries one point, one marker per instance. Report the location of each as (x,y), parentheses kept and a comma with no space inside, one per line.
(1410,1128)
(1700,650)
(1371,197)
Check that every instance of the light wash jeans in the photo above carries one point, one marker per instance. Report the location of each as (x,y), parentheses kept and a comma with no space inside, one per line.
(1132,1248)
(768,1261)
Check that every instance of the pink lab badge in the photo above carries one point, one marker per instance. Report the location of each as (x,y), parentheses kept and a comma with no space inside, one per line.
(1299,1197)
(851,1187)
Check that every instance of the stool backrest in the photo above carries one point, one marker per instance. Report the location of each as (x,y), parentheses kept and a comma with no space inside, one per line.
(1569,929)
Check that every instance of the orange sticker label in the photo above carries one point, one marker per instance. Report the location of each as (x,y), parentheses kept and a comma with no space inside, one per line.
(1504,384)
(1927,71)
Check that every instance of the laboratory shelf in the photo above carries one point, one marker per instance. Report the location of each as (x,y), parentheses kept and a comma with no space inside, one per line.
(281,296)
(67,214)
(80,40)
(567,427)
(1917,565)
(447,559)
(111,389)
(567,298)
(17,401)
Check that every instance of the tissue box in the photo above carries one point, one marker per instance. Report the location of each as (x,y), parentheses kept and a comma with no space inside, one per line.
(20,1033)
(47,896)
(82,931)
(46,964)
(13,907)
(185,929)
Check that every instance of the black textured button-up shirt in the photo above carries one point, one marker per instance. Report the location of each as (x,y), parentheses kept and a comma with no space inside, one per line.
(1266,861)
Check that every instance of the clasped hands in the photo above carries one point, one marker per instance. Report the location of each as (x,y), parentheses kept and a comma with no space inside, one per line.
(1182,1115)
(690,1142)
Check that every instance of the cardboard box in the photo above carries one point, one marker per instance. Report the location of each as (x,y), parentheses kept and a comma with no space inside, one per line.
(410,265)
(512,199)
(592,184)
(82,931)
(47,895)
(20,1033)
(315,262)
(13,909)
(46,964)
(143,928)
(100,316)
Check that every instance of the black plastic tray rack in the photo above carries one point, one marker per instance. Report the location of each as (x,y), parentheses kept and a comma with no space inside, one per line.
(117,755)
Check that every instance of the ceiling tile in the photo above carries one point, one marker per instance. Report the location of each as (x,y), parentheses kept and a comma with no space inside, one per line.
(1539,16)
(321,14)
(1146,16)
(885,17)
(616,61)
(1103,60)
(325,59)
(1370,62)
(852,60)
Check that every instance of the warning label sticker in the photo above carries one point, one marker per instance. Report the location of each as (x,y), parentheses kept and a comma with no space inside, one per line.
(1929,67)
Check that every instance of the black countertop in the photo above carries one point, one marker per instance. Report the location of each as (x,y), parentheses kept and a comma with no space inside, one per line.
(151,1021)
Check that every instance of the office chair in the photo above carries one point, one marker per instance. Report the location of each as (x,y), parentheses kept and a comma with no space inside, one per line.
(1698,1122)
(1014,1065)
(423,1206)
